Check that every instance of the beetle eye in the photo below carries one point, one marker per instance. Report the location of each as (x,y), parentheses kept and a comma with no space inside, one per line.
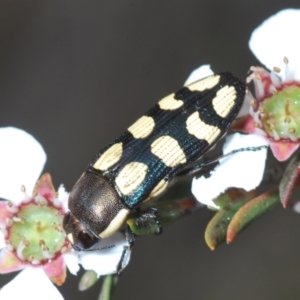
(85,241)
(77,234)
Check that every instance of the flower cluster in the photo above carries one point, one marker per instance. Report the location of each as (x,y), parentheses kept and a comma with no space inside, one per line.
(32,238)
(272,117)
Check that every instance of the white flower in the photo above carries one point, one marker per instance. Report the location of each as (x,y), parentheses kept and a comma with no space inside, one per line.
(243,169)
(276,38)
(30,284)
(273,113)
(22,159)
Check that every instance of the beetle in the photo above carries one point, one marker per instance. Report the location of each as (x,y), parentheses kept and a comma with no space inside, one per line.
(140,163)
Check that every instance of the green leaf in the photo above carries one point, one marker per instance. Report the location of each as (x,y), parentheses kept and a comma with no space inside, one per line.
(108,287)
(88,279)
(250,212)
(215,233)
(232,195)
(289,180)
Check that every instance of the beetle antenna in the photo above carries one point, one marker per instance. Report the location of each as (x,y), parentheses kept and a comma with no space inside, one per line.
(216,159)
(199,167)
(101,248)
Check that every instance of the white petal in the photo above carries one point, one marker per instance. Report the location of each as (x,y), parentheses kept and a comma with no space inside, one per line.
(63,196)
(105,261)
(242,170)
(62,193)
(22,159)
(72,262)
(277,37)
(246,105)
(201,72)
(30,284)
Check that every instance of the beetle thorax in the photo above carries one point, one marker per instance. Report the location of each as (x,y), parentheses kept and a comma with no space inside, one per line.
(96,204)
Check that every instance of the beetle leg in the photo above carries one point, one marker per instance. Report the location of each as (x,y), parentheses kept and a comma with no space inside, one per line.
(119,265)
(130,240)
(155,214)
(151,214)
(129,237)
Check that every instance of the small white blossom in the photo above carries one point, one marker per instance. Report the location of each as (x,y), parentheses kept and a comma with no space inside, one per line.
(241,170)
(276,38)
(276,45)
(244,169)
(22,159)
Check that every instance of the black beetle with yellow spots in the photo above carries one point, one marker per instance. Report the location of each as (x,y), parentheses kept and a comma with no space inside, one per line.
(140,163)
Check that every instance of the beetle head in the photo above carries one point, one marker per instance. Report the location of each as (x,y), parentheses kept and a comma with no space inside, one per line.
(96,211)
(79,236)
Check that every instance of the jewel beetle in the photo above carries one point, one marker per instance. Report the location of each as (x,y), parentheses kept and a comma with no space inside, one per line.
(140,163)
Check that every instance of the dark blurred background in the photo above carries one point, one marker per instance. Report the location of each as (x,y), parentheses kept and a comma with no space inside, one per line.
(75,74)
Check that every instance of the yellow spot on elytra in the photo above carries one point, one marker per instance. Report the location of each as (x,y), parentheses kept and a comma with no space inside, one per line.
(224,101)
(142,127)
(168,150)
(110,157)
(159,188)
(115,223)
(130,177)
(169,103)
(200,129)
(204,84)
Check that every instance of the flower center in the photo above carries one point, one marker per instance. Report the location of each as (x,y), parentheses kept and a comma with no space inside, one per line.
(280,114)
(35,232)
